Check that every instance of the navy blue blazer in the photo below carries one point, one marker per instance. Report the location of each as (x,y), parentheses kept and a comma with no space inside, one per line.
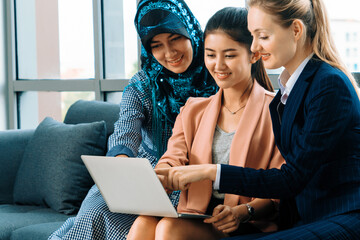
(319,137)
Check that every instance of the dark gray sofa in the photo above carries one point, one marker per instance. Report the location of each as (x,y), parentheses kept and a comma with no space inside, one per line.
(32,182)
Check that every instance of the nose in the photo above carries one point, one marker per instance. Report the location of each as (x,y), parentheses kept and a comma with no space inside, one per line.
(220,63)
(254,46)
(170,51)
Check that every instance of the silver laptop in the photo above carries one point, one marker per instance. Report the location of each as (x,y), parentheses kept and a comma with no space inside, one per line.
(130,185)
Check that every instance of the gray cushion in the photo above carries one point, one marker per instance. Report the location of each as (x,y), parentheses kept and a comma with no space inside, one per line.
(12,145)
(51,172)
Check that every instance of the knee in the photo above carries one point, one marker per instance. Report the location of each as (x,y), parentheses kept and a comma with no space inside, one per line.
(146,221)
(143,228)
(166,229)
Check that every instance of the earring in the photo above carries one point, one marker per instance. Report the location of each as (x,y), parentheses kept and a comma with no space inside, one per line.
(255,57)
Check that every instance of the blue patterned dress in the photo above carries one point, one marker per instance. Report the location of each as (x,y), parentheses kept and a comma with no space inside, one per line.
(148,110)
(132,135)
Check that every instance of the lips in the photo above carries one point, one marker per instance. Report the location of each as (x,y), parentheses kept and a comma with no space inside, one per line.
(265,56)
(175,62)
(222,75)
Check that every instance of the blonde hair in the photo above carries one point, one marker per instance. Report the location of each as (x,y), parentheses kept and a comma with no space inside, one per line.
(314,16)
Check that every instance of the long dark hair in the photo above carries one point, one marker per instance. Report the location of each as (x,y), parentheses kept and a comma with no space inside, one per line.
(233,22)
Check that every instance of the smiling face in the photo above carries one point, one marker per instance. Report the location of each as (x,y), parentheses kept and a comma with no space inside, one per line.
(276,44)
(173,51)
(228,61)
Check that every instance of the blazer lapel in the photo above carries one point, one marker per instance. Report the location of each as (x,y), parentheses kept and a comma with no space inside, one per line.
(275,119)
(247,126)
(295,99)
(201,153)
(202,143)
(244,132)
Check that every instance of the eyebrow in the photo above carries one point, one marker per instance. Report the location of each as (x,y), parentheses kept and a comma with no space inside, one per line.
(259,30)
(171,35)
(226,50)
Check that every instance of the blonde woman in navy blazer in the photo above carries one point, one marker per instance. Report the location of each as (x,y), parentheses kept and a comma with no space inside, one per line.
(316,123)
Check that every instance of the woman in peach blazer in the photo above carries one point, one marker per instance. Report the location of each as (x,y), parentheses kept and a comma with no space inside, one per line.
(248,139)
(253,146)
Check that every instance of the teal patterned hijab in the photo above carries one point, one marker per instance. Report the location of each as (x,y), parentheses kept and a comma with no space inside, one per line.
(169,90)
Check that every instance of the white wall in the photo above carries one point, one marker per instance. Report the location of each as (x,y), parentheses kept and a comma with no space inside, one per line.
(3,85)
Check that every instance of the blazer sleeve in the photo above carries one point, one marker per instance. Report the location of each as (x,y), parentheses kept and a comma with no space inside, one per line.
(329,107)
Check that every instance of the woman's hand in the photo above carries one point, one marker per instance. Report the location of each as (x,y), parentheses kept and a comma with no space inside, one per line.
(227,219)
(164,165)
(179,178)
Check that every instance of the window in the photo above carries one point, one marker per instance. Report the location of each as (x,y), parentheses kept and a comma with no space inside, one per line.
(345,22)
(64,50)
(59,51)
(3,61)
(348,52)
(347,37)
(54,39)
(35,106)
(54,42)
(212,6)
(115,39)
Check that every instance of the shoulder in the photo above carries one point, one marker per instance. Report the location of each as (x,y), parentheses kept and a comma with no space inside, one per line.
(326,70)
(197,103)
(140,76)
(192,113)
(138,90)
(329,77)
(139,83)
(195,107)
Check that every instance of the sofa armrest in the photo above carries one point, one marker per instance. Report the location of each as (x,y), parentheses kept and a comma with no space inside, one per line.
(12,146)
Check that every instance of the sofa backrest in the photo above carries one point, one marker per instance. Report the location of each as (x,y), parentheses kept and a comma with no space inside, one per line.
(12,146)
(13,142)
(84,111)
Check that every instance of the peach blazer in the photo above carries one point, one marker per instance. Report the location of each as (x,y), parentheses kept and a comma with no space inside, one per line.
(253,145)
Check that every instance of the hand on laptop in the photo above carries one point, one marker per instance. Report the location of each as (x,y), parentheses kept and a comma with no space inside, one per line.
(179,178)
(164,165)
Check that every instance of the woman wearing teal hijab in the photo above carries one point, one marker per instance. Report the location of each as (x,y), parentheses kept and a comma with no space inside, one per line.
(171,89)
(172,71)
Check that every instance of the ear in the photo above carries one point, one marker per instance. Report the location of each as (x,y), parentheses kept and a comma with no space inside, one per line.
(255,57)
(298,28)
